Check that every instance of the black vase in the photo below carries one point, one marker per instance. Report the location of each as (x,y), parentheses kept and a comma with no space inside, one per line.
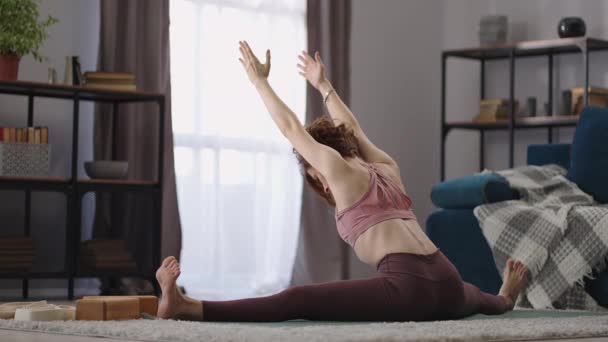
(571,27)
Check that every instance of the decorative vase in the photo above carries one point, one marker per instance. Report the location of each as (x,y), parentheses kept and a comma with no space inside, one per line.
(493,29)
(9,67)
(68,74)
(571,27)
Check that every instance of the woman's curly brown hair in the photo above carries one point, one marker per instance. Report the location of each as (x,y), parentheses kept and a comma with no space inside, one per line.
(338,137)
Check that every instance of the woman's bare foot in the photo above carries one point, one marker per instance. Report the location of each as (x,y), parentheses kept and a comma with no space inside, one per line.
(515,277)
(171,299)
(173,304)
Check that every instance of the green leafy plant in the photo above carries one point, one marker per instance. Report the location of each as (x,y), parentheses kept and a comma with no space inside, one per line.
(21,30)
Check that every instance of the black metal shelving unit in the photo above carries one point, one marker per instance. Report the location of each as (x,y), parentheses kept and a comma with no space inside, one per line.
(74,188)
(511,52)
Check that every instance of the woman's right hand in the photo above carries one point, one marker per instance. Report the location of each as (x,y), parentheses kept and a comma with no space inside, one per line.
(256,71)
(312,69)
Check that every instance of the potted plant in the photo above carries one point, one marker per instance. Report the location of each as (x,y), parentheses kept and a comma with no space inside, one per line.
(21,33)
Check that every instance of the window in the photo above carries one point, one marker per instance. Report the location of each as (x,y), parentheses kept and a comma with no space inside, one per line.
(239,188)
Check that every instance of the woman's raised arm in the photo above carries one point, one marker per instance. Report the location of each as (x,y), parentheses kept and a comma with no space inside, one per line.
(313,70)
(323,158)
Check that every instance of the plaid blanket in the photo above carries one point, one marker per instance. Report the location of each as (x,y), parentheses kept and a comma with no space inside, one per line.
(559,232)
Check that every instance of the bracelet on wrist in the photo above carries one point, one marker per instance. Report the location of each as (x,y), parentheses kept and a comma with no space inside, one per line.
(326,96)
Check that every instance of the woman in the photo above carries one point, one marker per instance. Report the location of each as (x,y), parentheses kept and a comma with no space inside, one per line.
(415,281)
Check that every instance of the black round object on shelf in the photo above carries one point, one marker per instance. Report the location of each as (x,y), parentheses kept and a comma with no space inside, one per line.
(571,27)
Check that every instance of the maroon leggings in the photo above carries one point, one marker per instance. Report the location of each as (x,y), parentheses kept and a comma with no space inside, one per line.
(408,287)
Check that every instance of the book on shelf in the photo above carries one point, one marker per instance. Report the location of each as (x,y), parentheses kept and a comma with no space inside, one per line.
(496,101)
(87,263)
(7,262)
(123,81)
(6,259)
(102,75)
(109,86)
(16,267)
(95,261)
(92,260)
(106,254)
(131,266)
(597,97)
(103,244)
(16,253)
(11,240)
(44,135)
(492,110)
(24,248)
(116,255)
(31,135)
(117,81)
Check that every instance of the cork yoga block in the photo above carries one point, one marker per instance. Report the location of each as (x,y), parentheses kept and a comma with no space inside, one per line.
(147,304)
(107,308)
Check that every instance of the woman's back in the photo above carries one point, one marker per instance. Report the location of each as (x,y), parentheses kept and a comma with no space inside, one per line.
(373,213)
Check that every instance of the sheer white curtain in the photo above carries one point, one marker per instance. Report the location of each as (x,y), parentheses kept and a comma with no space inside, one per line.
(239,188)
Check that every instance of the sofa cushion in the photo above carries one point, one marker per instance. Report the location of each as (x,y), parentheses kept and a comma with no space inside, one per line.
(598,288)
(471,191)
(549,154)
(589,162)
(457,234)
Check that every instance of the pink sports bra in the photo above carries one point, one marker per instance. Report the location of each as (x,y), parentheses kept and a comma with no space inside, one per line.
(384,200)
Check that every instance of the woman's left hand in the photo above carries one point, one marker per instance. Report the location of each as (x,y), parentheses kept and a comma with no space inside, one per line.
(256,71)
(312,69)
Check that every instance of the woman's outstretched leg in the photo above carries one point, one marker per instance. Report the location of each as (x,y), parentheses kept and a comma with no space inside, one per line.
(514,280)
(350,300)
(397,297)
(346,300)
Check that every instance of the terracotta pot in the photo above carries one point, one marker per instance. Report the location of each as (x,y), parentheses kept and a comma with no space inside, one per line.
(9,67)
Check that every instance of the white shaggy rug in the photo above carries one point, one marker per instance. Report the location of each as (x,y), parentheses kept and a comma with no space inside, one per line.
(463,330)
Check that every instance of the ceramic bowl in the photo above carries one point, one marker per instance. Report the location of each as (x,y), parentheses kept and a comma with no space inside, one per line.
(107,169)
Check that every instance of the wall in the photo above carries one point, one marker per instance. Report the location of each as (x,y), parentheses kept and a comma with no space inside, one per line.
(77,33)
(395,81)
(528,20)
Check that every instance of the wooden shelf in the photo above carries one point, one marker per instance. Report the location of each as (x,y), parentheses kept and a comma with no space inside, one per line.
(118,182)
(88,185)
(34,274)
(33,179)
(53,184)
(93,273)
(530,48)
(73,188)
(529,122)
(72,92)
(64,184)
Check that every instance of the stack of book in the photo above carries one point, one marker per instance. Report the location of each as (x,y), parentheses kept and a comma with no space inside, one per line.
(106,254)
(31,135)
(16,254)
(598,97)
(110,80)
(492,110)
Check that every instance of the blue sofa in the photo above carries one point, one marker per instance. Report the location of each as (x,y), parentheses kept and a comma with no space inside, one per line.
(456,231)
